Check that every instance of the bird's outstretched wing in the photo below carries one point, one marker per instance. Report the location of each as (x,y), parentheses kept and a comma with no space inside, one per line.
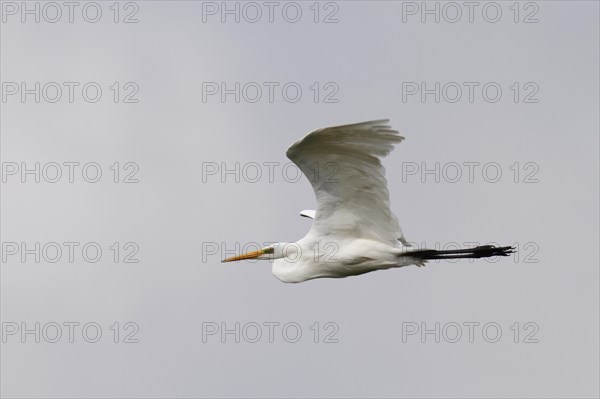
(343,166)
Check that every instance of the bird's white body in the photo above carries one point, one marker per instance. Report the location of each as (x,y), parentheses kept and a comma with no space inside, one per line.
(353,231)
(312,258)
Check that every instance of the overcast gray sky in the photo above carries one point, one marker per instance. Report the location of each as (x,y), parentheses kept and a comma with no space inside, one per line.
(186,114)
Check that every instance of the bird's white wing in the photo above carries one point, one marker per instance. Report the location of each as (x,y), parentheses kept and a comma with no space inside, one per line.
(308,213)
(343,166)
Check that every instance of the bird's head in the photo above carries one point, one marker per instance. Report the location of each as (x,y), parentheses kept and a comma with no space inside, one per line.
(274,251)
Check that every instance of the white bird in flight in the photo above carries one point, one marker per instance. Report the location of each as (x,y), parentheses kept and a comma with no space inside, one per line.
(353,231)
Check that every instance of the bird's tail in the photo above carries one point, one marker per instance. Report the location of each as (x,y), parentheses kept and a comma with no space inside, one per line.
(483,251)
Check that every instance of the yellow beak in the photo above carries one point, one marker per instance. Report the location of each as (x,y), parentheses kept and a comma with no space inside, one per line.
(248,255)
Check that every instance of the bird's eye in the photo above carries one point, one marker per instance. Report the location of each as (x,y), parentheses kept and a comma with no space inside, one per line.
(269,250)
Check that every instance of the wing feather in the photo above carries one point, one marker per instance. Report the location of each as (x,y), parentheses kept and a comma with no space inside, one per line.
(343,166)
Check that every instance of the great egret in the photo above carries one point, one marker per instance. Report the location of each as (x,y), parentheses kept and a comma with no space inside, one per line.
(353,231)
